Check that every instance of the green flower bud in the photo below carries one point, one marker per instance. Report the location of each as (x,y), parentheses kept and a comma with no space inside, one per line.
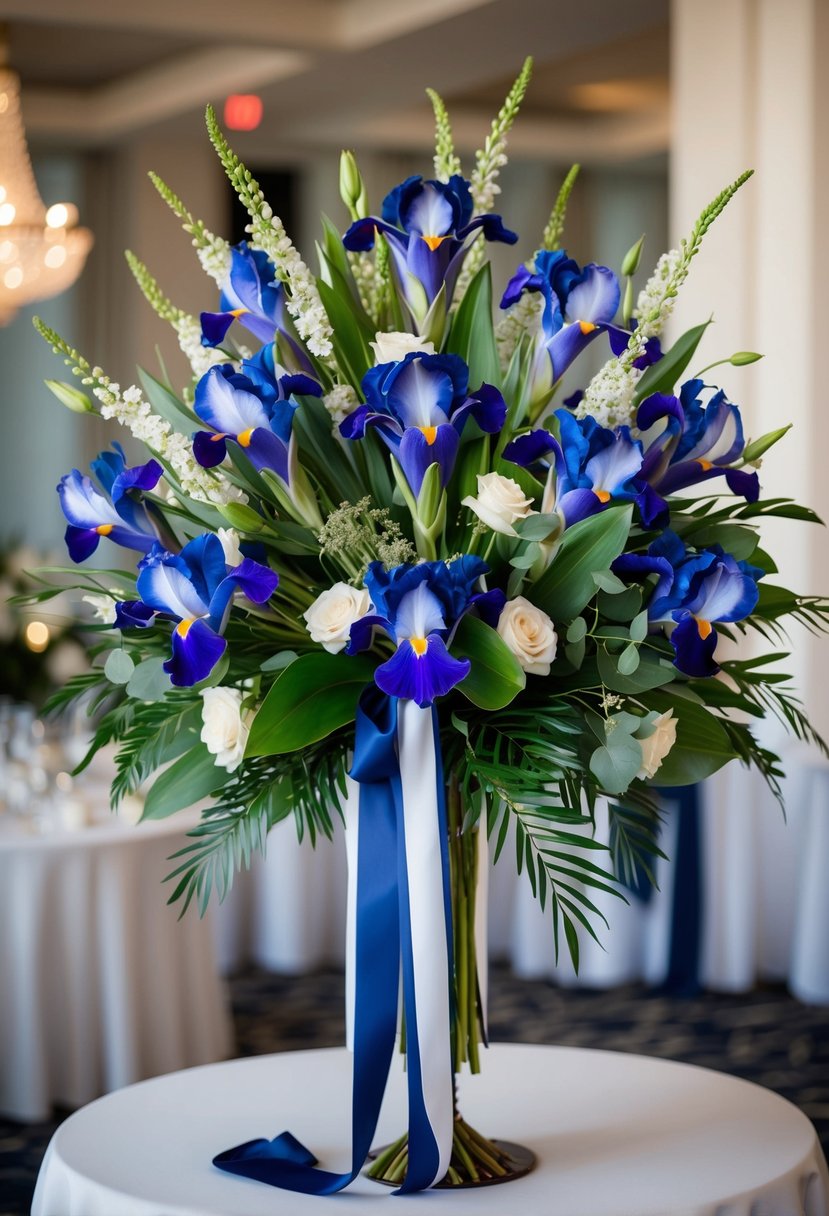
(352,190)
(743,357)
(71,397)
(630,262)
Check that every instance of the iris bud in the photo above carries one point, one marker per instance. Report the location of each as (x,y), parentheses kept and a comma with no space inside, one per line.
(743,357)
(70,396)
(630,262)
(352,190)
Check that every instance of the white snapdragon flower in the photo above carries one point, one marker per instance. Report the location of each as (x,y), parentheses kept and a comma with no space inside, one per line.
(103,606)
(657,745)
(393,347)
(529,634)
(225,728)
(500,503)
(229,539)
(333,612)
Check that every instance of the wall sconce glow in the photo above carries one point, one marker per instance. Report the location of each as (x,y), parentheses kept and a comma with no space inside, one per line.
(42,252)
(36,636)
(243,111)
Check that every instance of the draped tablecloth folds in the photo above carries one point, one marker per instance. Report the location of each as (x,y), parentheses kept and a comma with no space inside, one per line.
(615,1135)
(100,985)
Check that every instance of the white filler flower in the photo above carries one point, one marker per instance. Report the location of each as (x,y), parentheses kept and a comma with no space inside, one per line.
(393,347)
(529,634)
(229,539)
(657,745)
(500,503)
(330,617)
(225,728)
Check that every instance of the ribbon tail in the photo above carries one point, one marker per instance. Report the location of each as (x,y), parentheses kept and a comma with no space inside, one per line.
(482,924)
(425,914)
(351,818)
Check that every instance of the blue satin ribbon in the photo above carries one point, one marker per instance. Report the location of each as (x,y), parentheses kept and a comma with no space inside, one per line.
(383,942)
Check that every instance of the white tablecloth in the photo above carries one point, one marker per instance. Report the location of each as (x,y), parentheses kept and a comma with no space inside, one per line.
(100,985)
(765,901)
(615,1135)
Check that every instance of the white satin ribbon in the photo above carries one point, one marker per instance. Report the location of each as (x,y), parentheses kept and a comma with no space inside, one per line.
(482,923)
(424,847)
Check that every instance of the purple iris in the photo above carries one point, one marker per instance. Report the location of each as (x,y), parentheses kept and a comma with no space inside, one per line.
(420,407)
(195,588)
(418,607)
(115,511)
(589,466)
(693,591)
(427,224)
(252,408)
(250,294)
(686,442)
(579,304)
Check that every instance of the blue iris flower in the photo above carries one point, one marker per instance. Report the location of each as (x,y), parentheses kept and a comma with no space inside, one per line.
(419,608)
(195,588)
(250,294)
(427,225)
(252,408)
(579,304)
(420,407)
(588,467)
(116,510)
(686,442)
(692,592)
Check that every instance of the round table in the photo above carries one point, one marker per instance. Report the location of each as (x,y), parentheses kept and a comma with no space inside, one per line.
(616,1135)
(100,985)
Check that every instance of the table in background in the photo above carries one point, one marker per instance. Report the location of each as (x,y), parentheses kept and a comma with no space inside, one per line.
(100,985)
(616,1135)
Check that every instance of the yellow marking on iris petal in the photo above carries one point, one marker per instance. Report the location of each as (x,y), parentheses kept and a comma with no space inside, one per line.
(244,439)
(602,495)
(183,627)
(239,312)
(586,327)
(705,465)
(434,242)
(104,529)
(430,433)
(704,628)
(419,646)
(217,437)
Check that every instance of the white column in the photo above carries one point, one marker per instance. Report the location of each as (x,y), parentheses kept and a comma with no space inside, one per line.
(748,93)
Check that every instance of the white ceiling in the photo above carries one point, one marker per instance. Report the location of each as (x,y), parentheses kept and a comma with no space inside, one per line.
(334,72)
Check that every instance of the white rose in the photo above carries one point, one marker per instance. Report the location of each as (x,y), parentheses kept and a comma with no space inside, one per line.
(500,503)
(529,634)
(230,538)
(330,617)
(225,728)
(392,348)
(657,745)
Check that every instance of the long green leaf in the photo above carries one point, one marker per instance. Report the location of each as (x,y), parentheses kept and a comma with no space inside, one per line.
(192,777)
(661,377)
(586,549)
(702,744)
(496,676)
(310,699)
(471,334)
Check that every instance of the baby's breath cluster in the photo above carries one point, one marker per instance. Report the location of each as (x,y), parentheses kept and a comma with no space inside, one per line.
(357,534)
(341,400)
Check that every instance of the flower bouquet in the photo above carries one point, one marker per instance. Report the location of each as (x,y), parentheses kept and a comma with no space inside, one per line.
(384,573)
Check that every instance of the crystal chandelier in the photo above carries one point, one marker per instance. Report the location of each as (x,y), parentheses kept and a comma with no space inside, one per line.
(41,251)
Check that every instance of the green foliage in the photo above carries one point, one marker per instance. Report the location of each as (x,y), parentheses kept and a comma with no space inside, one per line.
(188,780)
(496,676)
(587,548)
(661,376)
(471,335)
(309,700)
(702,743)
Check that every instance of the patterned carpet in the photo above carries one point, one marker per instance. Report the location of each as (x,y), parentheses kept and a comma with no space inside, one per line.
(765,1037)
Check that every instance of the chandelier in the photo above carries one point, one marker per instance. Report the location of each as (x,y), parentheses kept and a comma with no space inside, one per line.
(41,251)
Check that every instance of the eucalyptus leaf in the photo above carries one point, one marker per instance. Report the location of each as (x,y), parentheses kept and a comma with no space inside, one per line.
(651,672)
(576,629)
(628,660)
(616,764)
(538,526)
(149,681)
(639,627)
(277,661)
(607,581)
(119,667)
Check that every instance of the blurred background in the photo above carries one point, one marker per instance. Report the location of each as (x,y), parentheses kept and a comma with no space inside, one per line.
(662,104)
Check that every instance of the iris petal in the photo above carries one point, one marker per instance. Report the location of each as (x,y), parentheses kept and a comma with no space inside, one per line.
(196,652)
(416,454)
(421,678)
(694,653)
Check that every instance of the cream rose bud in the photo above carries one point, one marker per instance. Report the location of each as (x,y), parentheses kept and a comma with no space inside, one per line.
(657,745)
(391,348)
(330,617)
(225,728)
(500,503)
(529,634)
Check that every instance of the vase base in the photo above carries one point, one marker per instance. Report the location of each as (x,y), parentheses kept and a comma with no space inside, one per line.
(516,1161)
